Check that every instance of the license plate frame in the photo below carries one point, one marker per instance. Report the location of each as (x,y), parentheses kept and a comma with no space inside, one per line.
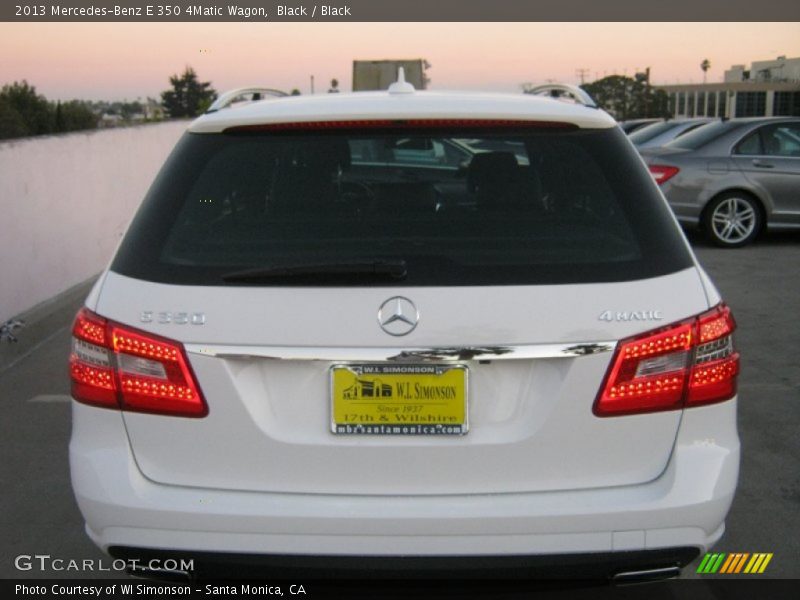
(399,410)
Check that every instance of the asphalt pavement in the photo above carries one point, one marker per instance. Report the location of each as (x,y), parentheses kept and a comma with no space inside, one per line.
(38,514)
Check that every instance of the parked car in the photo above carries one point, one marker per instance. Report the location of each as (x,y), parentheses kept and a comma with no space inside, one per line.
(663,132)
(304,354)
(632,125)
(733,178)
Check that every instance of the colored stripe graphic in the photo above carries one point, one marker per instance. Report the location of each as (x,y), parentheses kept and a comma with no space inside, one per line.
(741,562)
(729,562)
(734,563)
(761,564)
(704,563)
(754,563)
(737,563)
(711,563)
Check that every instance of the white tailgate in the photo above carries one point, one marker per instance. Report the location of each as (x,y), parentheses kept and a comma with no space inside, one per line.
(263,356)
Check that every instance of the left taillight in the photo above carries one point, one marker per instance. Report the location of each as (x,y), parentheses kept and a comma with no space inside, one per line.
(115,366)
(662,173)
(685,364)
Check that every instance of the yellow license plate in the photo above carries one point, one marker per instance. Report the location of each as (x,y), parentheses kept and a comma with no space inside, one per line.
(387,399)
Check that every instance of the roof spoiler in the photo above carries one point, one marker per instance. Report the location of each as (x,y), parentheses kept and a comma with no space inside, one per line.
(565,91)
(240,94)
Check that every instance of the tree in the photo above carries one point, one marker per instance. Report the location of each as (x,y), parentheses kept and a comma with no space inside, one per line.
(188,96)
(32,110)
(77,116)
(12,124)
(628,98)
(58,120)
(128,110)
(23,112)
(705,65)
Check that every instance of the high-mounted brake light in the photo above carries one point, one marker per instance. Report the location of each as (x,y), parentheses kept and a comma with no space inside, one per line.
(689,363)
(115,366)
(662,173)
(402,124)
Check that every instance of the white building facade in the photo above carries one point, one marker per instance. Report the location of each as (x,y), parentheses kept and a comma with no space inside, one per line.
(768,88)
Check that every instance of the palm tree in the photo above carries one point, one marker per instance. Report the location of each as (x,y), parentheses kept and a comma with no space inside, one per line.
(705,65)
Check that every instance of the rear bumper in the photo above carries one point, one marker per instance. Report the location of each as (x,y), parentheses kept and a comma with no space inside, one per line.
(627,566)
(684,507)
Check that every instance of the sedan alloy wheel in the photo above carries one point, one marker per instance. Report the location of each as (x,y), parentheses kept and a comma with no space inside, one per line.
(733,220)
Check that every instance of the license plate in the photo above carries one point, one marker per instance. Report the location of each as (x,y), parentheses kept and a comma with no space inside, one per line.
(399,399)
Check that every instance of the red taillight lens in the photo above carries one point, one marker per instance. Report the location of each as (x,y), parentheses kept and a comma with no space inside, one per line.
(662,173)
(716,364)
(118,367)
(684,364)
(90,363)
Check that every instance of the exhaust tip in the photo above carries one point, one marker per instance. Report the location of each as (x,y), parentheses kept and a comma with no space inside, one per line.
(627,577)
(164,575)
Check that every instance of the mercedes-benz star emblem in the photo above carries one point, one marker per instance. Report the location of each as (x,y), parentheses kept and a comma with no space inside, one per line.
(398,316)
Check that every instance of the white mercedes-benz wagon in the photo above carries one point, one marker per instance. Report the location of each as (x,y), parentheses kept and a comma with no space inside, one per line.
(402,329)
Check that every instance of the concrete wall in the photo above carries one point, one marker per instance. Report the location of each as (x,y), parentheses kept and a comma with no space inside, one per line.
(65,202)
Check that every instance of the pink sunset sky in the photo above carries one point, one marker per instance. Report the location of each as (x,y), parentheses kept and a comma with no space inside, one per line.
(115,61)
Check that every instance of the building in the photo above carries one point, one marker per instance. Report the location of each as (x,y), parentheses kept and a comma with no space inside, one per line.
(152,110)
(768,88)
(781,69)
(380,74)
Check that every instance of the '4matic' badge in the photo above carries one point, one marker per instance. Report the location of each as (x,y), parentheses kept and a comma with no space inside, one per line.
(631,315)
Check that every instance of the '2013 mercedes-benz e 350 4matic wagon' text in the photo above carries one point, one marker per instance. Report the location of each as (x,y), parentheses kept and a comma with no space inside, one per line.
(393,328)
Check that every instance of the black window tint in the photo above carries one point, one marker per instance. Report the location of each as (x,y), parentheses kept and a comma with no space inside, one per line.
(461,208)
(782,140)
(751,144)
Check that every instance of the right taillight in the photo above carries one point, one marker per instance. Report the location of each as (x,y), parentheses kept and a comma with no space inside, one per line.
(662,173)
(716,363)
(115,366)
(685,364)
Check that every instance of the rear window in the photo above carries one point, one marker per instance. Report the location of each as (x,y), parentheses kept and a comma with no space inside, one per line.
(454,207)
(701,136)
(645,134)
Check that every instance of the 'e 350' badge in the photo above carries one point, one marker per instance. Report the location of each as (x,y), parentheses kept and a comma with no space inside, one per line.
(176,318)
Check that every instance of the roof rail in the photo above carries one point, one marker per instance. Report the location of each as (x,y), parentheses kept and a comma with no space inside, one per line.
(563,90)
(255,93)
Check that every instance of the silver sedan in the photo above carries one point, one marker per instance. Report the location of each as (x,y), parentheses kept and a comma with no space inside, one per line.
(662,132)
(733,178)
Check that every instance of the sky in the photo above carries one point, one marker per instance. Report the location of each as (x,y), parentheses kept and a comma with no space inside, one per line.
(117,61)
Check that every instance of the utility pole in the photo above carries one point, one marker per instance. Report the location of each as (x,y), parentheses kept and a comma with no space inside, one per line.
(312,84)
(644,78)
(582,73)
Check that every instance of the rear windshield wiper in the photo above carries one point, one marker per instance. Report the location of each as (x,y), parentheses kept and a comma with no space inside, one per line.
(361,269)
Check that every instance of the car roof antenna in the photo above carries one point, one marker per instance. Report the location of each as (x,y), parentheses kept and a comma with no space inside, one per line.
(401,86)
